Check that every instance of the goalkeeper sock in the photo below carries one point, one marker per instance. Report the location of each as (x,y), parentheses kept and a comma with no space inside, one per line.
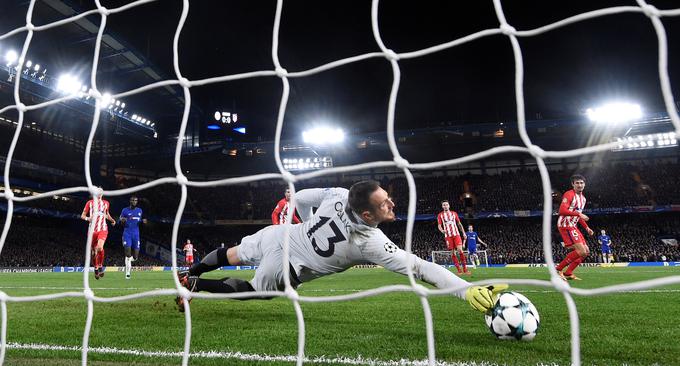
(212,261)
(573,266)
(568,259)
(225,285)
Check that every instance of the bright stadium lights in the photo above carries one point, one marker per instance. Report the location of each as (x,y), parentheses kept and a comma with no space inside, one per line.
(36,67)
(323,136)
(106,100)
(29,63)
(618,112)
(11,56)
(68,84)
(307,163)
(646,142)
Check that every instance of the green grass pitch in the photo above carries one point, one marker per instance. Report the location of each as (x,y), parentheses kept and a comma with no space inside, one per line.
(631,328)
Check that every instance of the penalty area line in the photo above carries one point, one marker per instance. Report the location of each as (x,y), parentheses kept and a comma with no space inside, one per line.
(242,356)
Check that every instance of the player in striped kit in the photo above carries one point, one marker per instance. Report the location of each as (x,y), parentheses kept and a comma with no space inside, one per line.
(606,242)
(96,212)
(188,253)
(280,213)
(449,224)
(571,213)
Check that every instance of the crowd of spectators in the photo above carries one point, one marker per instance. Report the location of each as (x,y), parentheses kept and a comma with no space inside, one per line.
(635,238)
(47,242)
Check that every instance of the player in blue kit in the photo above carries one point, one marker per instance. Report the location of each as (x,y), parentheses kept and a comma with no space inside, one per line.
(472,239)
(606,242)
(130,217)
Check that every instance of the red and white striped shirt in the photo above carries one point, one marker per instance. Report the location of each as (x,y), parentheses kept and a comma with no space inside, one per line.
(98,214)
(189,250)
(572,204)
(448,219)
(281,211)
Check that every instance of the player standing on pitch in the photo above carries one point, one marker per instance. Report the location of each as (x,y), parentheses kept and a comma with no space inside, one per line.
(96,212)
(571,213)
(188,253)
(280,213)
(343,232)
(130,217)
(606,242)
(449,224)
(472,239)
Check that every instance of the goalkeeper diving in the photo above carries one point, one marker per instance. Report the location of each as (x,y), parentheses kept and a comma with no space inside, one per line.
(343,232)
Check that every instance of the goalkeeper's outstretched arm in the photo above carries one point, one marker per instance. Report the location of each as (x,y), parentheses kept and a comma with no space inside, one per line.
(380,250)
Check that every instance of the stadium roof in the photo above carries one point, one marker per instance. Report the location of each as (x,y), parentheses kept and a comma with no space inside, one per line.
(566,70)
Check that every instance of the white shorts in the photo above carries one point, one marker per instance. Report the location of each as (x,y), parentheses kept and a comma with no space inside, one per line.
(263,249)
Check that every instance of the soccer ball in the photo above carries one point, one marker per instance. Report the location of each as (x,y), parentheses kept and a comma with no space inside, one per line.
(513,317)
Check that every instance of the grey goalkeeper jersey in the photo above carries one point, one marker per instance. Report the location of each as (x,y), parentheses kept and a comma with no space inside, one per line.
(333,239)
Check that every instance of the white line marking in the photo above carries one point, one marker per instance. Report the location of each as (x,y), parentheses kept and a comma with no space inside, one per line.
(243,356)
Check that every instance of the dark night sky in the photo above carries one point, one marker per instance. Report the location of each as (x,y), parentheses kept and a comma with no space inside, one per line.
(566,70)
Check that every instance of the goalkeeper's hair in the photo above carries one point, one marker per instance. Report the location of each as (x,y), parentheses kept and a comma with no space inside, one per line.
(576,177)
(360,194)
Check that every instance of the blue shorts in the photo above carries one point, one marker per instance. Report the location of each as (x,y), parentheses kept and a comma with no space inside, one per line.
(472,250)
(606,250)
(131,239)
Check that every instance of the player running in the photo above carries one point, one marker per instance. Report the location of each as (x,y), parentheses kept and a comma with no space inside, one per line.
(188,253)
(571,213)
(130,217)
(606,242)
(280,213)
(472,239)
(449,224)
(341,233)
(96,212)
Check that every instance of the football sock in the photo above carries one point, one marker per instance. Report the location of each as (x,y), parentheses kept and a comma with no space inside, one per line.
(455,261)
(213,260)
(573,266)
(568,259)
(225,285)
(100,258)
(464,261)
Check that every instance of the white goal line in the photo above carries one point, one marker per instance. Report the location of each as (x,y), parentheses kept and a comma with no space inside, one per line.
(359,361)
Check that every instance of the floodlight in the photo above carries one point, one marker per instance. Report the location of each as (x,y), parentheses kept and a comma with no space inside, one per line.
(134,117)
(153,124)
(143,120)
(36,67)
(106,100)
(68,84)
(10,57)
(218,116)
(118,103)
(617,112)
(29,63)
(323,136)
(122,105)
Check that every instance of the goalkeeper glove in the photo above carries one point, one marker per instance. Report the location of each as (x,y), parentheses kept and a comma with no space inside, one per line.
(483,298)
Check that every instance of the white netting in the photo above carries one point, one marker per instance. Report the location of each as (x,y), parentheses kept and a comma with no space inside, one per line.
(393,57)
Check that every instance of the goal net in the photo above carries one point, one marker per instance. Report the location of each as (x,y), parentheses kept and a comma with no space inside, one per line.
(445,257)
(393,57)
